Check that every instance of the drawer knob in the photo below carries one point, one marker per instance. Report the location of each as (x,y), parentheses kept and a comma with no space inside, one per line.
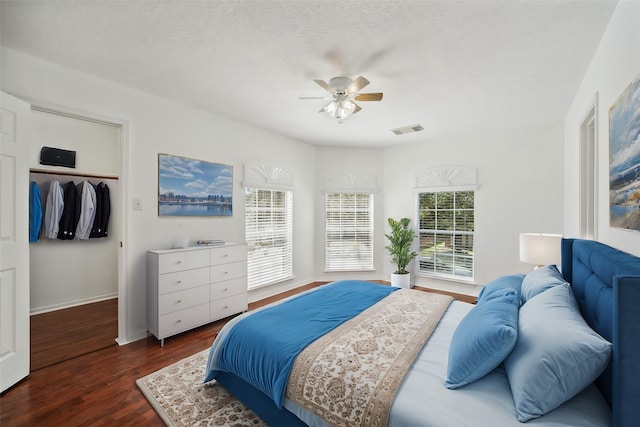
(179,301)
(226,272)
(178,321)
(225,289)
(179,262)
(179,281)
(226,306)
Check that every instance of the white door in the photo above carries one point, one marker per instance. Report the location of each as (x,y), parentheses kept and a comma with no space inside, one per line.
(14,242)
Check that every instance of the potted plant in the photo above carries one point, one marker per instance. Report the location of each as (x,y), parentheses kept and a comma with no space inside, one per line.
(400,240)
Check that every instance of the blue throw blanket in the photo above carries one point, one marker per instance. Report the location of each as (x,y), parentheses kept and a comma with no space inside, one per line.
(262,347)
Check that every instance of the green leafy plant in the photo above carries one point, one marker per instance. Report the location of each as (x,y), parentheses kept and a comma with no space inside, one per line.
(400,241)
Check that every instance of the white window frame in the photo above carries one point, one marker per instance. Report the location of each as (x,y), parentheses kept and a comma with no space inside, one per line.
(349,245)
(439,179)
(457,263)
(270,264)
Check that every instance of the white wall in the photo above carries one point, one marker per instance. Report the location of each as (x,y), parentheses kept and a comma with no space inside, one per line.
(519,190)
(519,175)
(614,66)
(364,162)
(159,126)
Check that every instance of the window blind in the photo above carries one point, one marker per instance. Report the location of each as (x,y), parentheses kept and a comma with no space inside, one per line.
(269,235)
(349,232)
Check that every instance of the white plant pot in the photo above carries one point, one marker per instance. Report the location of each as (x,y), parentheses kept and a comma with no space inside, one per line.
(401,280)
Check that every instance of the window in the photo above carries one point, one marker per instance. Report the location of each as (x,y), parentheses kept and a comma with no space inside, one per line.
(446,234)
(349,232)
(269,234)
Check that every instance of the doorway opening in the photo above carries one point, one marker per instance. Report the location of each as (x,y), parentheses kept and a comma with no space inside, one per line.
(76,285)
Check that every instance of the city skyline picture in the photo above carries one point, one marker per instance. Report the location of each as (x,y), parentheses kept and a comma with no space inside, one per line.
(191,187)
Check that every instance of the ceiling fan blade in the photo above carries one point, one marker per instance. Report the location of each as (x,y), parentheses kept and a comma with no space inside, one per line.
(324,85)
(357,84)
(314,97)
(377,96)
(357,108)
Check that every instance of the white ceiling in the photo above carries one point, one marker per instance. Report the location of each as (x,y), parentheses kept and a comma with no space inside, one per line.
(452,66)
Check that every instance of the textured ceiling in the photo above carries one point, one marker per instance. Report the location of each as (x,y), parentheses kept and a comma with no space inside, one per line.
(452,66)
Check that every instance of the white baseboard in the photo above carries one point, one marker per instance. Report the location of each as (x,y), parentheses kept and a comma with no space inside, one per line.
(69,304)
(133,338)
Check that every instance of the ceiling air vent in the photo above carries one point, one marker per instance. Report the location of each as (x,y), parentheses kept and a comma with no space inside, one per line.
(407,129)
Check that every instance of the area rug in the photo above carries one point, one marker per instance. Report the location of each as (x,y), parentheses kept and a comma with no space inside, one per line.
(179,396)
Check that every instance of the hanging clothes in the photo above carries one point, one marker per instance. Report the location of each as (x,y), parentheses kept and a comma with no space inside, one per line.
(87,211)
(70,213)
(53,210)
(35,212)
(106,210)
(103,211)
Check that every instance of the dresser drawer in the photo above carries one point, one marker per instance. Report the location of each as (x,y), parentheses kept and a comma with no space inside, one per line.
(228,254)
(228,288)
(174,301)
(179,261)
(172,282)
(227,306)
(219,273)
(182,320)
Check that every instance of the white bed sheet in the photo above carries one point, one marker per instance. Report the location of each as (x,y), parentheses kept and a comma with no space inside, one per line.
(422,399)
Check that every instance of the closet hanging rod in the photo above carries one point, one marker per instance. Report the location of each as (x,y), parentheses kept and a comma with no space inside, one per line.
(65,173)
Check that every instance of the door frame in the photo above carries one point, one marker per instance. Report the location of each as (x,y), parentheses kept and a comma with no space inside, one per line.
(588,172)
(123,203)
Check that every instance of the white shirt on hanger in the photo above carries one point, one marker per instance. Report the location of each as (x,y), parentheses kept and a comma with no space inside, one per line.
(87,211)
(53,210)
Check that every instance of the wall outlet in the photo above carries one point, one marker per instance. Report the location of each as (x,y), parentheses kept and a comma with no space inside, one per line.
(137,204)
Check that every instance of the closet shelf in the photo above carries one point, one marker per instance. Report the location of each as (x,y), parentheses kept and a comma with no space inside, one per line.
(65,173)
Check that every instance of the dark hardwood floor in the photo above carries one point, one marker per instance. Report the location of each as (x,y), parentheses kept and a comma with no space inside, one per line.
(64,334)
(98,389)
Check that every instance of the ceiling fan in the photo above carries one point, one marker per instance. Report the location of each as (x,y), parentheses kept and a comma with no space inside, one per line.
(343,92)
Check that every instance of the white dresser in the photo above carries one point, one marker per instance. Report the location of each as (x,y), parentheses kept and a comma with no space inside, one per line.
(190,287)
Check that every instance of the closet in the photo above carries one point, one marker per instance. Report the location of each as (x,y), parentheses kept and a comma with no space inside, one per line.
(73,282)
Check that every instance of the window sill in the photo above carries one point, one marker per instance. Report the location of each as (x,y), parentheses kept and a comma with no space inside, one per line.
(456,279)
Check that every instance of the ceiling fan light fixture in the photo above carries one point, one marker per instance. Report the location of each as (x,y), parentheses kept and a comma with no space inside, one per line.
(344,92)
(341,110)
(345,109)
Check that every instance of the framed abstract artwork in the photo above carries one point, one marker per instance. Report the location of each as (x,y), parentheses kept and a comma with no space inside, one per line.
(190,187)
(624,159)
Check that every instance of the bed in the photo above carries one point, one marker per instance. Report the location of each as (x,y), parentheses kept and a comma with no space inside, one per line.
(605,284)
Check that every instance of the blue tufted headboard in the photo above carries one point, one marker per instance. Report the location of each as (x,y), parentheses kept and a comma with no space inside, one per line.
(606,283)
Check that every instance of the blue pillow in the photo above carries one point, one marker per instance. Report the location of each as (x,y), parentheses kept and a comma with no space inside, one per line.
(539,280)
(484,338)
(513,281)
(556,355)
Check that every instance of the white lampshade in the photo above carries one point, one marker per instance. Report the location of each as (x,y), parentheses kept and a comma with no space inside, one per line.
(540,248)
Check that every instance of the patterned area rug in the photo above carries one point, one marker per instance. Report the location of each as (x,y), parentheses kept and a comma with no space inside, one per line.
(181,399)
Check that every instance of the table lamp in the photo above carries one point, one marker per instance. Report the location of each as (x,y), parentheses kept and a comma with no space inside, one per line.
(540,248)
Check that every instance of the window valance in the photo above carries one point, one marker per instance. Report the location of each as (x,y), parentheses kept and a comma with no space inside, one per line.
(446,178)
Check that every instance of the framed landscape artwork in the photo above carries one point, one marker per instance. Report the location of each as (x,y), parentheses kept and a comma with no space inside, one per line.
(190,187)
(624,159)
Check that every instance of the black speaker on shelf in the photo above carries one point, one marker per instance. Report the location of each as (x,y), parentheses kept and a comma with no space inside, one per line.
(57,157)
